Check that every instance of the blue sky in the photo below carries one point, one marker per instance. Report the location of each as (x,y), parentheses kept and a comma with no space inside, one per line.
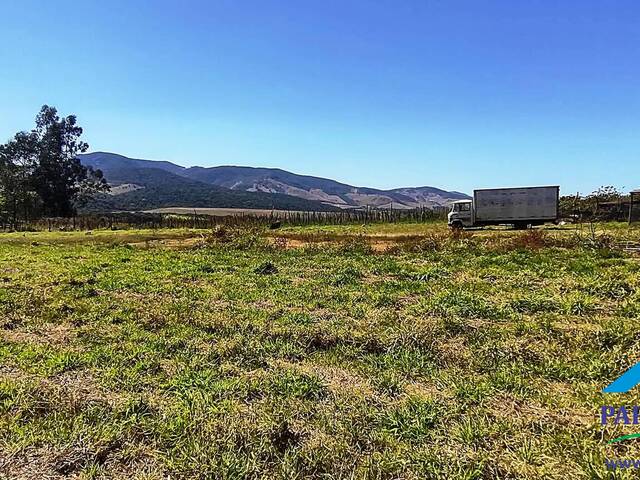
(458,95)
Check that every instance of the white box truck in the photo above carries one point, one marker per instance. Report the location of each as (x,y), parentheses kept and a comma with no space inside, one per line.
(520,207)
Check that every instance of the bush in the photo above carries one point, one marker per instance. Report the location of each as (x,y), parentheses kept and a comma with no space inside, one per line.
(531,240)
(359,244)
(242,238)
(266,268)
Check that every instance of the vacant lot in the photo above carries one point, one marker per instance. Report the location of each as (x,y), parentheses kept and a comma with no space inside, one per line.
(190,354)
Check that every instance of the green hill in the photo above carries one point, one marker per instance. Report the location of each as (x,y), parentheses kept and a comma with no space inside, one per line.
(160,188)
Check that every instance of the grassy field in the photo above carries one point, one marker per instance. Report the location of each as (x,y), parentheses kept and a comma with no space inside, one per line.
(313,354)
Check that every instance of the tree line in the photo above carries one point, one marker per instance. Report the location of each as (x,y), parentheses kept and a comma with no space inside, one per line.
(40,174)
(604,204)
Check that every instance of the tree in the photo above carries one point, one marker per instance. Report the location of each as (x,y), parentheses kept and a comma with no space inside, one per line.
(59,178)
(18,158)
(40,171)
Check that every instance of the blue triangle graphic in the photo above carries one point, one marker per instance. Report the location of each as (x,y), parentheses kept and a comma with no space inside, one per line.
(624,382)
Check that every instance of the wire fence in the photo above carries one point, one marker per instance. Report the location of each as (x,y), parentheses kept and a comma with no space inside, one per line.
(275,218)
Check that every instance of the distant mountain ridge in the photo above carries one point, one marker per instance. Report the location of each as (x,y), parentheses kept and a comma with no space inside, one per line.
(148,182)
(138,189)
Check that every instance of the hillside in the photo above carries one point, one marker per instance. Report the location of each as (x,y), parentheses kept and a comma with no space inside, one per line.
(121,170)
(148,188)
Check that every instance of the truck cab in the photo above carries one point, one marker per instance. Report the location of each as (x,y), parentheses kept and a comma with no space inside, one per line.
(461,214)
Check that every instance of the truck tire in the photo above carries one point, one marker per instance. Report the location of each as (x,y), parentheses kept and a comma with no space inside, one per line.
(520,225)
(456,225)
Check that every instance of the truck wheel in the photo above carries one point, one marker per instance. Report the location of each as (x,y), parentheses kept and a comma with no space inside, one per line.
(521,225)
(457,225)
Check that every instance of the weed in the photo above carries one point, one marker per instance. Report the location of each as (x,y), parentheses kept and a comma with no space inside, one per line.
(266,268)
(360,245)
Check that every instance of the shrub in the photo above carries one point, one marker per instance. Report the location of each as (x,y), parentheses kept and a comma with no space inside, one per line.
(239,237)
(531,240)
(266,268)
(359,244)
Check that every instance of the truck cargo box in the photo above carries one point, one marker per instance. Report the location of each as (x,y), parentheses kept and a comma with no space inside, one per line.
(505,205)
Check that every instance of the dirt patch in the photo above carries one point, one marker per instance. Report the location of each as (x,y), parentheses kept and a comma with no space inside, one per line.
(48,463)
(73,389)
(378,245)
(14,373)
(80,386)
(427,391)
(453,353)
(338,380)
(532,412)
(58,334)
(170,243)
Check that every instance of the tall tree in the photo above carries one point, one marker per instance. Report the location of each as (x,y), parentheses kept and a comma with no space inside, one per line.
(59,178)
(18,158)
(40,172)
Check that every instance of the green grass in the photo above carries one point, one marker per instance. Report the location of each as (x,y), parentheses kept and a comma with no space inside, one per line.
(617,229)
(99,236)
(480,356)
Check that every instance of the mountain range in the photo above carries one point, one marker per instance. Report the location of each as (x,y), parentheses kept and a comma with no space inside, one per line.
(146,184)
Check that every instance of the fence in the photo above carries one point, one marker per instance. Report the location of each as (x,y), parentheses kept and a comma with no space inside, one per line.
(126,220)
(593,209)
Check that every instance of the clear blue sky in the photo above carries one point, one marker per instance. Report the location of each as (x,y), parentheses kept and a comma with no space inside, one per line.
(385,94)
